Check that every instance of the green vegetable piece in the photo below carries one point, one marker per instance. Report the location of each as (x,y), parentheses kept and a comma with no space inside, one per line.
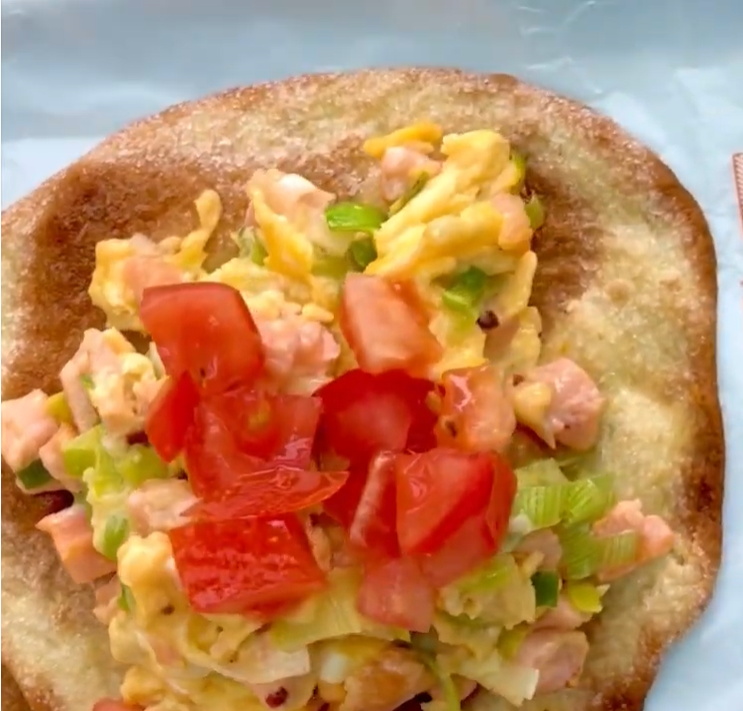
(363,252)
(581,552)
(79,454)
(510,641)
(542,505)
(545,472)
(619,550)
(465,291)
(87,381)
(126,599)
(116,532)
(141,463)
(58,408)
(448,688)
(104,478)
(519,163)
(354,217)
(34,476)
(535,212)
(584,596)
(589,499)
(258,253)
(330,267)
(546,588)
(495,574)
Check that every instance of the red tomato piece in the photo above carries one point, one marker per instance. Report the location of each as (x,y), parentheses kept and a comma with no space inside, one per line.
(372,529)
(271,492)
(384,328)
(170,416)
(342,505)
(114,705)
(476,415)
(498,513)
(467,549)
(234,567)
(213,459)
(364,414)
(395,592)
(272,427)
(206,330)
(437,492)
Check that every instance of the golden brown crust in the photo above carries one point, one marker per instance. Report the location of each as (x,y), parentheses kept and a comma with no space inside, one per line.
(626,282)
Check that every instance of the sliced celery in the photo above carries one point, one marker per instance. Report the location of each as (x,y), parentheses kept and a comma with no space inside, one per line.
(535,212)
(589,499)
(542,505)
(116,532)
(581,553)
(141,463)
(58,408)
(583,596)
(509,641)
(126,599)
(79,453)
(495,574)
(449,690)
(545,472)
(619,550)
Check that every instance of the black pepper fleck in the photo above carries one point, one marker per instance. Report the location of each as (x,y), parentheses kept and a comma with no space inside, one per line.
(168,610)
(488,320)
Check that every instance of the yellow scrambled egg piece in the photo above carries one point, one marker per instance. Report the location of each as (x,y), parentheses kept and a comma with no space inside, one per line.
(419,133)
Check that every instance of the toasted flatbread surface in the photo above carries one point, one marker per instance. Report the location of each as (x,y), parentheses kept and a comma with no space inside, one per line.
(626,285)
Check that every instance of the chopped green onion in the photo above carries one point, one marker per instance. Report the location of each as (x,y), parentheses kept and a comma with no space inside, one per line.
(619,550)
(58,408)
(116,532)
(465,291)
(490,577)
(330,266)
(258,253)
(542,505)
(589,499)
(141,463)
(104,477)
(546,588)
(509,641)
(126,599)
(535,212)
(79,454)
(581,552)
(34,476)
(354,217)
(87,381)
(415,188)
(584,596)
(449,690)
(363,252)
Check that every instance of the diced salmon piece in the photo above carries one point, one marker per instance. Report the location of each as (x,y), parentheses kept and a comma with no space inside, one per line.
(106,600)
(515,231)
(26,427)
(51,457)
(562,617)
(159,505)
(142,272)
(297,348)
(401,166)
(72,536)
(393,678)
(545,542)
(574,412)
(287,194)
(655,536)
(557,656)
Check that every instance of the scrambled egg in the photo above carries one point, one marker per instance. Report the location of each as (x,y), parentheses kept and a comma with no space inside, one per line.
(183,661)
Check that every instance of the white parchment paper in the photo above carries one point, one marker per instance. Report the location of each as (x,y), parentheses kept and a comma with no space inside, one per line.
(670,71)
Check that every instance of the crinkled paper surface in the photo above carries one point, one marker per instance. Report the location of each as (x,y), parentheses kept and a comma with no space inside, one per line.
(670,71)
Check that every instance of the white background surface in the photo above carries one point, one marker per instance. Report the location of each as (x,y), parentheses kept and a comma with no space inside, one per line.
(670,71)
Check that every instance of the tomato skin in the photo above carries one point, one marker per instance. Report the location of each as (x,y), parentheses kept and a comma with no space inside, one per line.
(270,492)
(395,592)
(385,329)
(206,330)
(170,416)
(365,413)
(235,567)
(372,530)
(475,414)
(213,459)
(498,513)
(342,505)
(272,427)
(437,491)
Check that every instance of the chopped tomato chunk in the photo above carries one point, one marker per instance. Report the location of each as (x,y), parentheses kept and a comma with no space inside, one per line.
(385,329)
(372,529)
(238,566)
(437,492)
(475,413)
(171,415)
(501,498)
(342,505)
(270,492)
(206,330)
(395,592)
(272,427)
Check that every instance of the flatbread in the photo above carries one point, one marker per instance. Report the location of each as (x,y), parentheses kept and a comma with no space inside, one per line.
(626,285)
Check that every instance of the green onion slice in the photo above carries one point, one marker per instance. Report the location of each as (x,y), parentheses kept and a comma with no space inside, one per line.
(546,588)
(535,212)
(362,253)
(354,217)
(114,535)
(34,476)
